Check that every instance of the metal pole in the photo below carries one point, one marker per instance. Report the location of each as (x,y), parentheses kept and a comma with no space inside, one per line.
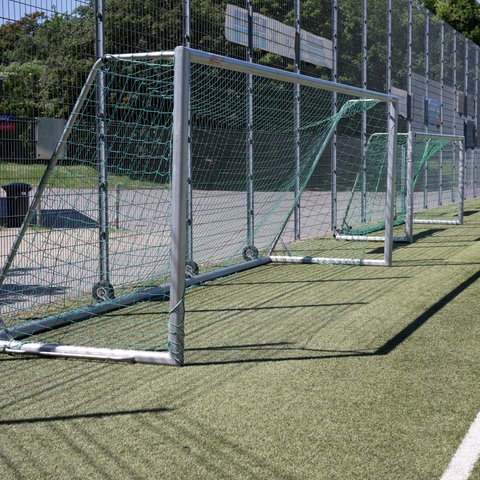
(409,214)
(442,99)
(409,68)
(364,113)
(103,290)
(461,181)
(455,96)
(392,155)
(179,204)
(297,110)
(465,87)
(410,189)
(189,219)
(249,139)
(475,117)
(334,205)
(427,79)
(389,84)
(389,47)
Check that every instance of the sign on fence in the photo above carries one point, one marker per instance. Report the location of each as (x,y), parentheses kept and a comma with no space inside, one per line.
(275,37)
(7,123)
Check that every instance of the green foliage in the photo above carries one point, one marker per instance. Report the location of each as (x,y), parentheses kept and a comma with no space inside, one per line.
(45,59)
(148,25)
(44,62)
(13,33)
(463,15)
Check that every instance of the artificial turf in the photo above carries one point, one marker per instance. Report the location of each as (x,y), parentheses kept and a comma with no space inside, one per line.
(292,372)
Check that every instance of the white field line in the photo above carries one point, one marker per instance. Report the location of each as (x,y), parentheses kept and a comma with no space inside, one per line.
(462,463)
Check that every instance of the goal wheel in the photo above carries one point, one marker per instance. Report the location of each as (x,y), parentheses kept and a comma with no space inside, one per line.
(250,252)
(103,291)
(191,269)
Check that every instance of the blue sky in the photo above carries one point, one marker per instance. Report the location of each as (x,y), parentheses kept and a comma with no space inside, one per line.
(12,10)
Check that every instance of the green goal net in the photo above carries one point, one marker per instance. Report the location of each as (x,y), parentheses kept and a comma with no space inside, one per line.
(174,169)
(428,185)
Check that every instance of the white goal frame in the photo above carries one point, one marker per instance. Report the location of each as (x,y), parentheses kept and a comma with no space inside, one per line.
(410,219)
(459,142)
(11,339)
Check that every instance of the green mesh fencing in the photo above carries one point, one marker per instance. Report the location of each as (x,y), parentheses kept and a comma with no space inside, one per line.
(271,160)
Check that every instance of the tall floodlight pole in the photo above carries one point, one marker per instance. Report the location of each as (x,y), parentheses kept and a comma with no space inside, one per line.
(103,289)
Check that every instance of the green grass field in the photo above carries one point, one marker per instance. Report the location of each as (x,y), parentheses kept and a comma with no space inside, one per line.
(293,372)
(72,176)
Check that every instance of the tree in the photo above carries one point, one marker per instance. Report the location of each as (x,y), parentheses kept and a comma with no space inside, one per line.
(462,15)
(12,33)
(45,61)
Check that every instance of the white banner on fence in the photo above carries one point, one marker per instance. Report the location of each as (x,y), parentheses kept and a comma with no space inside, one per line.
(275,37)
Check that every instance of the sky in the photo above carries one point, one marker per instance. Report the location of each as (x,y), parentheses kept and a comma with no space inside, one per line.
(12,10)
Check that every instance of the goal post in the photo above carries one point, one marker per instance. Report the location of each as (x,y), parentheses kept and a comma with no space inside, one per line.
(429,174)
(438,179)
(198,197)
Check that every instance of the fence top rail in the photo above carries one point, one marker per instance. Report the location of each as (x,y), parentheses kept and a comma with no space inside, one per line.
(440,136)
(206,58)
(140,56)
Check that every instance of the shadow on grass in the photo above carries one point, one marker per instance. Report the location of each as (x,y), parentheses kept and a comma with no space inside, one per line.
(317,355)
(63,418)
(289,281)
(412,327)
(256,308)
(416,237)
(322,354)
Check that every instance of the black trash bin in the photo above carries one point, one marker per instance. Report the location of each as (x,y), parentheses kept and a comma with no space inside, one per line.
(18,200)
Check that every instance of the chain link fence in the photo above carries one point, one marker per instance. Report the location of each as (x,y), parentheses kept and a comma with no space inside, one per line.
(396,47)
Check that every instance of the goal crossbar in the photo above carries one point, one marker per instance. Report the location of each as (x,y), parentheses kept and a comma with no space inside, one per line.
(13,339)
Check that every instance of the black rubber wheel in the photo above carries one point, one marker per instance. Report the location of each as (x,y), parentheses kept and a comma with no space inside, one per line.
(103,291)
(191,269)
(250,252)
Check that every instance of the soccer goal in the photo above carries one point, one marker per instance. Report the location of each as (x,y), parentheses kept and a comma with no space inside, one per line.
(438,187)
(429,182)
(175,169)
